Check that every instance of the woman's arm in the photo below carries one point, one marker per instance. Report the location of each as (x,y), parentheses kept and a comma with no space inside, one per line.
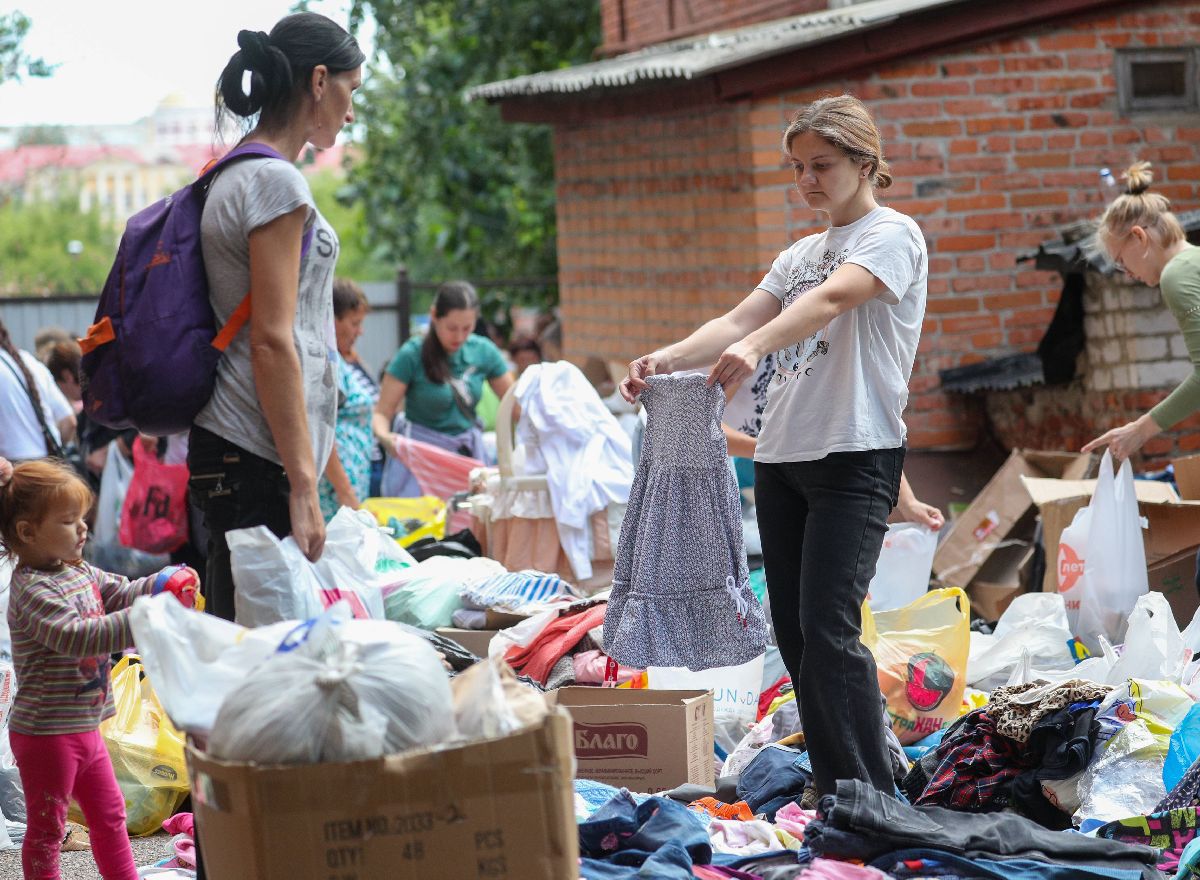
(740,445)
(705,344)
(848,287)
(335,473)
(391,398)
(274,287)
(501,384)
(913,510)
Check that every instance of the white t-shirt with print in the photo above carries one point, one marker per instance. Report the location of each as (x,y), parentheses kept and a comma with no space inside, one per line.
(844,389)
(20,431)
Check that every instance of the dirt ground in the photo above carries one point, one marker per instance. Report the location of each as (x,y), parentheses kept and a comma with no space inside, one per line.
(79,865)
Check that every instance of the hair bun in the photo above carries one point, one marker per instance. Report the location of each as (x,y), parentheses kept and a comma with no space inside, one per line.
(1138,178)
(255,45)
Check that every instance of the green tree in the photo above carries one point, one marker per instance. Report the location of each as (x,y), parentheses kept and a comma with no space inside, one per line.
(358,258)
(54,135)
(449,188)
(34,238)
(13,61)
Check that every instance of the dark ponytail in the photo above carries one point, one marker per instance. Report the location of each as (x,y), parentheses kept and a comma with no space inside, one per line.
(451,295)
(280,65)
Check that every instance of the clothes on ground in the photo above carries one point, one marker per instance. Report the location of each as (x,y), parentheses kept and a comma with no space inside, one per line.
(919,864)
(777,776)
(22,436)
(1171,831)
(354,440)
(1014,714)
(572,438)
(1186,792)
(681,588)
(518,590)
(1180,286)
(246,196)
(844,388)
(432,404)
(974,767)
(1061,745)
(627,833)
(743,836)
(538,658)
(862,823)
(721,810)
(56,768)
(65,625)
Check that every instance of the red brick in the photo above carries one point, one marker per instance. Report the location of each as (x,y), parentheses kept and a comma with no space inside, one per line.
(1058,42)
(995,123)
(977,164)
(940,88)
(946,128)
(1023,299)
(1004,85)
(994,221)
(1042,198)
(965,242)
(982,202)
(1033,62)
(964,147)
(1043,160)
(973,107)
(998,143)
(952,305)
(975,67)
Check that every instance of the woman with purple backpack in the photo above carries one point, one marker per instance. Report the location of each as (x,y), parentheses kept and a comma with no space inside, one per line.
(259,447)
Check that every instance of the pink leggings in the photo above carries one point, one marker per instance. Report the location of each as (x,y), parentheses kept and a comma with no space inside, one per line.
(55,769)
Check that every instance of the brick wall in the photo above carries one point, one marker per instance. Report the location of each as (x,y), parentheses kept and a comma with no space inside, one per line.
(993,147)
(631,24)
(1134,355)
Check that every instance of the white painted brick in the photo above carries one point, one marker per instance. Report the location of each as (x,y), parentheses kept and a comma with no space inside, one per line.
(1112,352)
(1111,299)
(1145,297)
(1100,379)
(1178,347)
(1162,374)
(1149,348)
(1152,323)
(1122,377)
(1093,326)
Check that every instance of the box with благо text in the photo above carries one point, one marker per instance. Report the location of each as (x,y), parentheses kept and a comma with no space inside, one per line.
(645,740)
(501,809)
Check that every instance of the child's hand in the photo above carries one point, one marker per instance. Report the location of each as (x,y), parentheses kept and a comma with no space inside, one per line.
(181,582)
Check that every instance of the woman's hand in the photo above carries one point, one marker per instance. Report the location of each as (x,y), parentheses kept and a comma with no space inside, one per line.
(308,526)
(735,365)
(6,471)
(653,364)
(1124,441)
(915,511)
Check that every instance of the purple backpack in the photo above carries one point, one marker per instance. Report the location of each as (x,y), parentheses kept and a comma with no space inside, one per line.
(150,358)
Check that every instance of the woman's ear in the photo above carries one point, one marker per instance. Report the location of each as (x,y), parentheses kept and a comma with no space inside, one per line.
(320,74)
(25,531)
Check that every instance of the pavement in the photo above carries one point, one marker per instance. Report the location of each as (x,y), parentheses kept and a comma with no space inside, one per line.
(80,866)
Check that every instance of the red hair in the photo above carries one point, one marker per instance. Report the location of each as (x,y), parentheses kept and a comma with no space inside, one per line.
(37,489)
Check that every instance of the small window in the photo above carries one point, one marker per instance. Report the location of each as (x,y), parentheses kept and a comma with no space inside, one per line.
(1157,80)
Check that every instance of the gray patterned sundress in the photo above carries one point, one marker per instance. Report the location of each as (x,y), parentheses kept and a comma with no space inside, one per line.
(681,591)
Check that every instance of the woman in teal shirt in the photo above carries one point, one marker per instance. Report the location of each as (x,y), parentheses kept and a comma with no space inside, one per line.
(1144,239)
(438,380)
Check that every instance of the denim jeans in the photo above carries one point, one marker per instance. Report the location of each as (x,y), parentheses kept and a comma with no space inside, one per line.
(860,823)
(931,860)
(822,524)
(234,489)
(777,776)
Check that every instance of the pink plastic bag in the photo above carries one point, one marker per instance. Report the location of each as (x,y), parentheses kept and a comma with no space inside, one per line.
(154,516)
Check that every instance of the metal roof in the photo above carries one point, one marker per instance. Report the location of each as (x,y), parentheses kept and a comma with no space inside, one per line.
(1071,251)
(695,57)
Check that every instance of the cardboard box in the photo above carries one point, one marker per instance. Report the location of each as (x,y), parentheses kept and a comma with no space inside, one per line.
(645,740)
(1187,477)
(474,640)
(1172,539)
(1059,500)
(997,510)
(499,808)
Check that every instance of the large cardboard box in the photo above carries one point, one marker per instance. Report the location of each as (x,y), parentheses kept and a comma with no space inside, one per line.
(474,640)
(1059,500)
(498,808)
(1187,477)
(997,510)
(645,740)
(1171,536)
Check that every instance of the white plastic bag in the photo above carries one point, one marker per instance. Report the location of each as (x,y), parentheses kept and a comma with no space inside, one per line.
(275,581)
(195,660)
(1154,649)
(1033,629)
(735,690)
(1101,586)
(905,562)
(338,690)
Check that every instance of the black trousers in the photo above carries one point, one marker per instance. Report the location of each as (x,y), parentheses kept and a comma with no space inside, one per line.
(822,525)
(234,489)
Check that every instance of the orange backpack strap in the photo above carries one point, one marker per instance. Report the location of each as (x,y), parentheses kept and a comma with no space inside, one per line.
(235,323)
(100,333)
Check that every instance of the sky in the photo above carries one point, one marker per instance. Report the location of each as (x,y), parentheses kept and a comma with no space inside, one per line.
(118,60)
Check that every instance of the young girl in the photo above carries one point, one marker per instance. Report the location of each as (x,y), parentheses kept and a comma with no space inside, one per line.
(66,619)
(842,310)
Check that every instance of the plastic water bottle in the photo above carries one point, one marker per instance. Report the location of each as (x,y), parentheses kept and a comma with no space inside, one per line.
(1110,183)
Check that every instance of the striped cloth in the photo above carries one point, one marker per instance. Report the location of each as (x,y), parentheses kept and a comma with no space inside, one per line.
(438,472)
(65,624)
(518,590)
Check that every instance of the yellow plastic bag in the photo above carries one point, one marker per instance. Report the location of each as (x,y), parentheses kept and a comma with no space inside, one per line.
(425,516)
(146,752)
(921,653)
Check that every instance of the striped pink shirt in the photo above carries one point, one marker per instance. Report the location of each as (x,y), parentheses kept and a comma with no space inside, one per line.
(65,624)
